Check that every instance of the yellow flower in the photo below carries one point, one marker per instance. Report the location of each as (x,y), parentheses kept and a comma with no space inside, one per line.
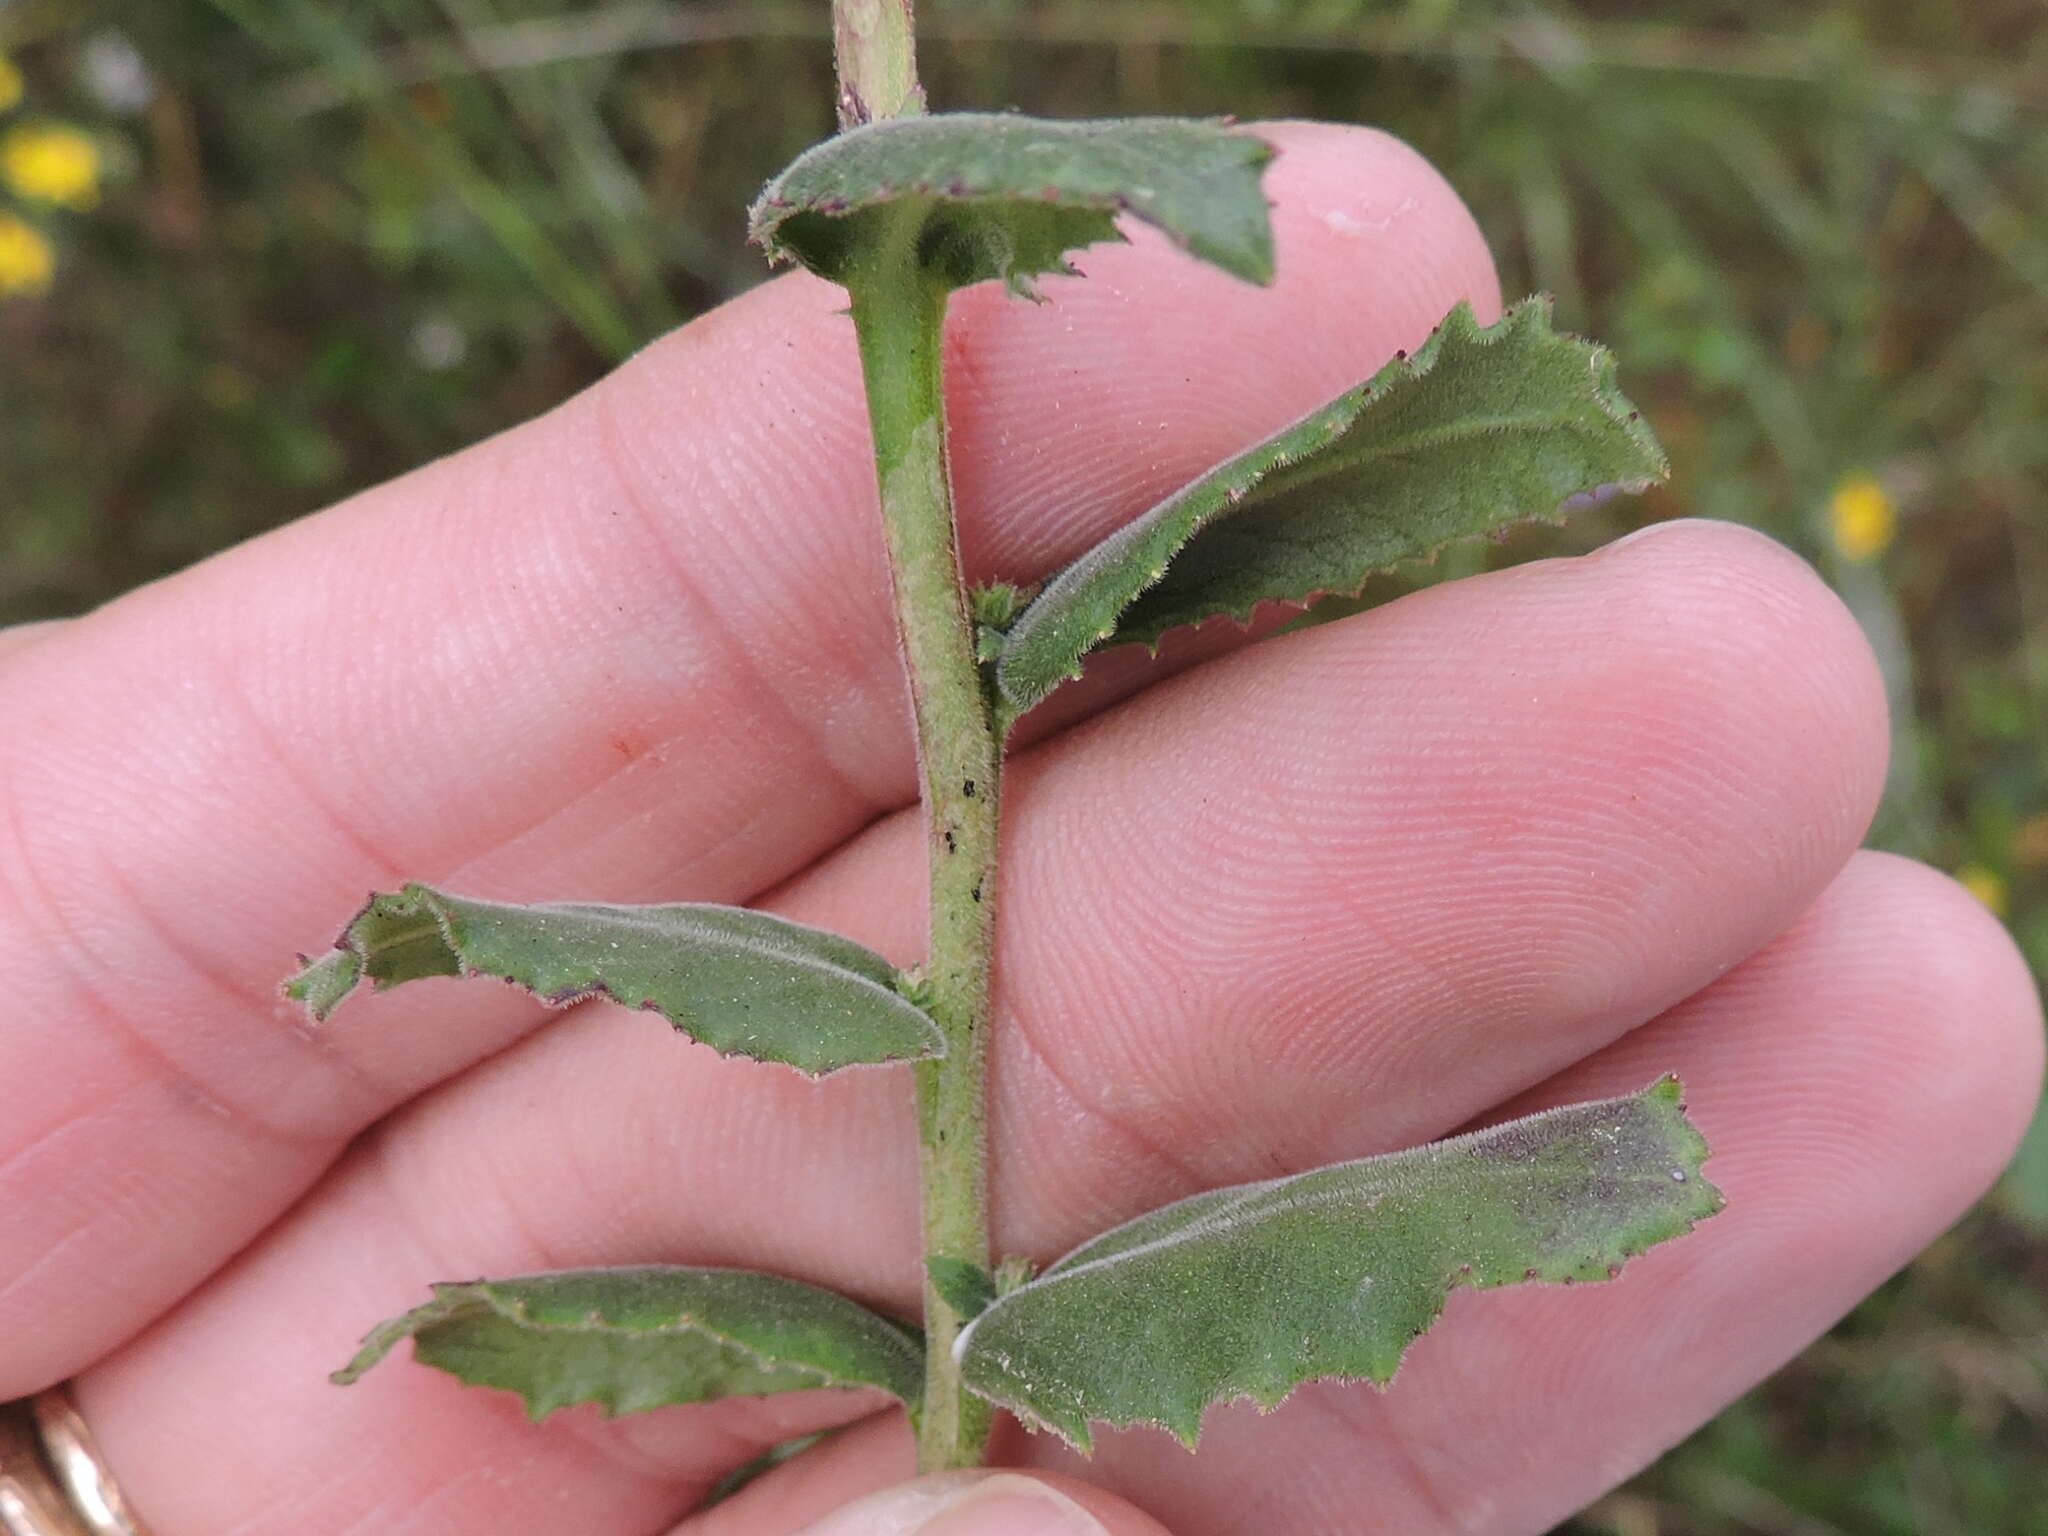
(1986,885)
(52,164)
(1861,519)
(10,84)
(26,260)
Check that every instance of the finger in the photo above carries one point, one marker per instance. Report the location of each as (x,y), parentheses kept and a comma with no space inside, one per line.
(1861,1081)
(850,1464)
(987,1504)
(1408,864)
(1403,906)
(861,1467)
(637,649)
(18,637)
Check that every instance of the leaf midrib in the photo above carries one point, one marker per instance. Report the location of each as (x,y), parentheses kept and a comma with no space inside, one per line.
(711,935)
(1309,471)
(517,1314)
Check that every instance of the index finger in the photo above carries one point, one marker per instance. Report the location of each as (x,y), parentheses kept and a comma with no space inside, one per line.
(638,649)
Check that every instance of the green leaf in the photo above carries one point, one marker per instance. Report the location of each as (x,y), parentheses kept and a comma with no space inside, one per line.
(966,1288)
(635,1339)
(995,195)
(742,982)
(1251,1291)
(1480,429)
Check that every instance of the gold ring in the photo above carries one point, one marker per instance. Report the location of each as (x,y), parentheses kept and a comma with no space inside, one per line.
(31,1503)
(53,1480)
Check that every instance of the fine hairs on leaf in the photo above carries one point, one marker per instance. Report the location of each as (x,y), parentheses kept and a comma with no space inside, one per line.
(1243,1292)
(634,1339)
(1006,197)
(745,983)
(968,1288)
(1156,1320)
(1481,429)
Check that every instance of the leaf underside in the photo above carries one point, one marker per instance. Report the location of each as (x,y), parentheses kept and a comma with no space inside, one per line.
(1481,429)
(1252,1291)
(1005,196)
(634,1339)
(743,982)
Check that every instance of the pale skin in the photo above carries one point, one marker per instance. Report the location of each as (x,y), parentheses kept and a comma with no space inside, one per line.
(1535,837)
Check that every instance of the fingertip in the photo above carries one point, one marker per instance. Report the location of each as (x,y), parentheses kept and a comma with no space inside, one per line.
(989,1503)
(1870,1072)
(1117,1517)
(1971,1066)
(1358,208)
(1757,625)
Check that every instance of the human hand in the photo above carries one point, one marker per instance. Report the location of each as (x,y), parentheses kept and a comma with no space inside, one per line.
(1530,838)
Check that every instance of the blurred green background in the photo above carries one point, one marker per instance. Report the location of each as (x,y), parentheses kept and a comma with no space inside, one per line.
(255,254)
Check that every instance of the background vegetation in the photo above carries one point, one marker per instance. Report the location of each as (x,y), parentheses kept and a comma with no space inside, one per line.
(255,254)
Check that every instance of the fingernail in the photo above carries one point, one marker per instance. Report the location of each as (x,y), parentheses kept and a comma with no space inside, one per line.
(963,1504)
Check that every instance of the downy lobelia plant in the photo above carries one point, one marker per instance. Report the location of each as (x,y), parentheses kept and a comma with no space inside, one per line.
(1241,1292)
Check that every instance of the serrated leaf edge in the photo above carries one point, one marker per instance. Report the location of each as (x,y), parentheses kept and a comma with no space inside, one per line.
(452,1298)
(1323,426)
(770,211)
(1607,394)
(902,988)
(1608,1266)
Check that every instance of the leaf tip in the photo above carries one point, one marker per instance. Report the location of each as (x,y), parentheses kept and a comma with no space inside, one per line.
(378,1343)
(320,986)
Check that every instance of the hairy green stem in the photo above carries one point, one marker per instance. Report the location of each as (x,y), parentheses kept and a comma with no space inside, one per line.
(875,44)
(899,311)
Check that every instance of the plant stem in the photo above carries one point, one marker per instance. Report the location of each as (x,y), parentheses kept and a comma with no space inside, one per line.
(875,44)
(899,313)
